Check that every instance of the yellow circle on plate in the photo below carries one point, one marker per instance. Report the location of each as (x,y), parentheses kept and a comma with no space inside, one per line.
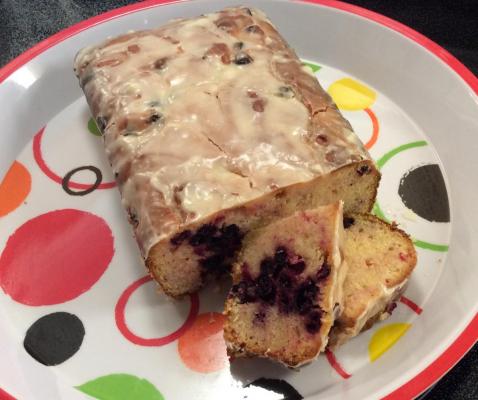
(351,95)
(385,338)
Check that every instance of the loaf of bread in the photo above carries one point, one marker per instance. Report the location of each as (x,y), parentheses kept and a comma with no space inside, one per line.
(214,127)
(287,289)
(380,259)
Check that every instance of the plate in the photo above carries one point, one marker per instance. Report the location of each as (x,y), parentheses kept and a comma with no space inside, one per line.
(81,319)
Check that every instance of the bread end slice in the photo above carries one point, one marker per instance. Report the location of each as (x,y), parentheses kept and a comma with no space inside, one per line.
(380,259)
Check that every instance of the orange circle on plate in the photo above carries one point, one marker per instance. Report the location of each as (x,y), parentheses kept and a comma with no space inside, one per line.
(202,347)
(14,188)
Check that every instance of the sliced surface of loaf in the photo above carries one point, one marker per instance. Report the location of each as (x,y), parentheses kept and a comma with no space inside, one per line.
(287,288)
(213,127)
(380,259)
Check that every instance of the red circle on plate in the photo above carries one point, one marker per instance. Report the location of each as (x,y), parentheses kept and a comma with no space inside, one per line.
(132,337)
(202,348)
(55,257)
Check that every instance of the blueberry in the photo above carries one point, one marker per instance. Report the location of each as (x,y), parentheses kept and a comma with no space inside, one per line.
(213,263)
(305,296)
(226,240)
(286,281)
(297,267)
(203,235)
(231,238)
(363,170)
(160,63)
(303,304)
(266,289)
(267,266)
(280,256)
(207,230)
(313,322)
(323,272)
(154,117)
(231,231)
(245,292)
(215,243)
(200,250)
(348,222)
(219,243)
(177,239)
(242,59)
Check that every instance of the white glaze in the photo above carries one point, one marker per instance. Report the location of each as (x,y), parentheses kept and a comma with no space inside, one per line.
(225,133)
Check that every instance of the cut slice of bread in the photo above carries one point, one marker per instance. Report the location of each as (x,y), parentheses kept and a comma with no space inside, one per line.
(287,287)
(380,259)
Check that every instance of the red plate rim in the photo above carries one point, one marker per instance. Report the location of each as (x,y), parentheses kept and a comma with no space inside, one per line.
(469,336)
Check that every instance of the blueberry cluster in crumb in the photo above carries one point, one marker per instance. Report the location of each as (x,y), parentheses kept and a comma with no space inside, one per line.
(280,283)
(216,245)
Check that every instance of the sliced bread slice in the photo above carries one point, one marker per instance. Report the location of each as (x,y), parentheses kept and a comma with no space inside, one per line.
(380,259)
(287,287)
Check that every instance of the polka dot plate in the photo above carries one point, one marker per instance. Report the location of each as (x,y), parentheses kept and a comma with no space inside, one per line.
(81,319)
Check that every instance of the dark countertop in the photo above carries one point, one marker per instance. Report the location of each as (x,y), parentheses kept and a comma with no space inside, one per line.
(452,24)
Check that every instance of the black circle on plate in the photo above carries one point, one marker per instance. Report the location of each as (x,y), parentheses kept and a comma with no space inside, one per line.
(278,386)
(66,180)
(423,190)
(54,338)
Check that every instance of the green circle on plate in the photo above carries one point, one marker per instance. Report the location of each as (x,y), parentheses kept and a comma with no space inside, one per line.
(93,128)
(120,387)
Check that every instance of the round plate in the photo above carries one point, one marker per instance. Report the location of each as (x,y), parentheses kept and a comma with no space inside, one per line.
(79,316)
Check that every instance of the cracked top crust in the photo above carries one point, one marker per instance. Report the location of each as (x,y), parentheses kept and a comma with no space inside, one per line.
(207,113)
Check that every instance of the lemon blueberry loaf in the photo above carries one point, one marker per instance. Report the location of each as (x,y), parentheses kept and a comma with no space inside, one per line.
(214,127)
(287,287)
